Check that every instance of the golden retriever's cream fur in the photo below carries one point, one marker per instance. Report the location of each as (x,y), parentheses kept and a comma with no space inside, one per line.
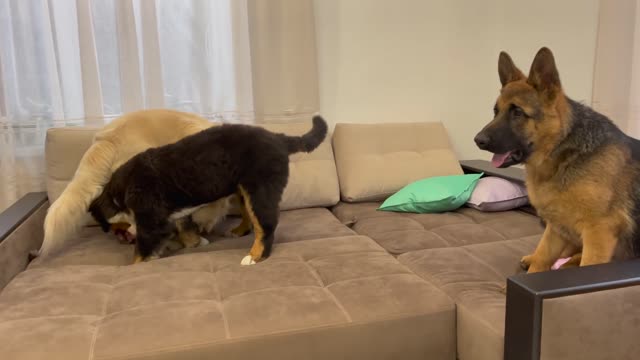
(112,146)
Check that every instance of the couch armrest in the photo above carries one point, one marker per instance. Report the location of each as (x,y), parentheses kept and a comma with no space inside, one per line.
(477,166)
(20,211)
(21,231)
(527,292)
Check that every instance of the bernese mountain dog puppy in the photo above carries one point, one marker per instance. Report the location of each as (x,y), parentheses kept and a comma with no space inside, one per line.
(164,184)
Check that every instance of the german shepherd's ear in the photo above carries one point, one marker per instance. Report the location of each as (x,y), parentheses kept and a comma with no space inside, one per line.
(543,75)
(507,69)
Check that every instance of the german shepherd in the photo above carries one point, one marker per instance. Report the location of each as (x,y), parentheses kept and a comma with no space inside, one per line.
(170,182)
(582,172)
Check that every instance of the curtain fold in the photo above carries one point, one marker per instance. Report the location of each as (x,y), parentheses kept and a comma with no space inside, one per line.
(93,105)
(85,62)
(284,61)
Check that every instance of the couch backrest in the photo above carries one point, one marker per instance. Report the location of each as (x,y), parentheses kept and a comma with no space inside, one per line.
(64,147)
(313,180)
(376,160)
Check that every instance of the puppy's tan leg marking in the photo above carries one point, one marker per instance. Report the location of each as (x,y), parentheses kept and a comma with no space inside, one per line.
(258,243)
(599,245)
(547,252)
(245,226)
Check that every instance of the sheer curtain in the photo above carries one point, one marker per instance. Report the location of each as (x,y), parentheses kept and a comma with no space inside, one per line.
(84,62)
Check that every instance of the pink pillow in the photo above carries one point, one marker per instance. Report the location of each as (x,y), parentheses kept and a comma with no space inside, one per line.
(497,194)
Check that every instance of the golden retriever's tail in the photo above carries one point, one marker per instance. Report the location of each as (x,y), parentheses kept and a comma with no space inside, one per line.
(70,211)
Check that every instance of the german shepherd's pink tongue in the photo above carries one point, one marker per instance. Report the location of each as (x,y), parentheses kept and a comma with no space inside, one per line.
(499,159)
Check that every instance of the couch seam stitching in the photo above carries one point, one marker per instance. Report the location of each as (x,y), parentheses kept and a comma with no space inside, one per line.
(355,252)
(270,288)
(493,269)
(409,272)
(327,291)
(338,304)
(158,273)
(4,322)
(138,307)
(94,337)
(219,303)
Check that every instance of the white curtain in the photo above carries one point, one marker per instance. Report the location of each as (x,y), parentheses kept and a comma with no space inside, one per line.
(84,62)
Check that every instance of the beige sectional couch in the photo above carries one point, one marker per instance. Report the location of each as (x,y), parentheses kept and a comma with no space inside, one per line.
(344,281)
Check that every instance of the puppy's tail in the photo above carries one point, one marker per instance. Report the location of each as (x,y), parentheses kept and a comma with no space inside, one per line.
(69,212)
(309,141)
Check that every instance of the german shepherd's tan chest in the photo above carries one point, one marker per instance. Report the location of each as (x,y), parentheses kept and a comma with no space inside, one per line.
(594,197)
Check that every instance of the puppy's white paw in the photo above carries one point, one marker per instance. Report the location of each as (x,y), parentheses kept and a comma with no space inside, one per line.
(247,260)
(203,242)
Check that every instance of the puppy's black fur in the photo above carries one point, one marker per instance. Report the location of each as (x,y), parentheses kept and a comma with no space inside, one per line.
(199,169)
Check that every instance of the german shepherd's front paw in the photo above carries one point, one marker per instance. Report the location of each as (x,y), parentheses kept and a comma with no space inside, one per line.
(526,261)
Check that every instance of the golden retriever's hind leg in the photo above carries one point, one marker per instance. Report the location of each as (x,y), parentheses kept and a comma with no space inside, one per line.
(207,217)
(188,233)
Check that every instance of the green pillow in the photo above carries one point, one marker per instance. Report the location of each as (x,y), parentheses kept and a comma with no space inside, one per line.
(433,195)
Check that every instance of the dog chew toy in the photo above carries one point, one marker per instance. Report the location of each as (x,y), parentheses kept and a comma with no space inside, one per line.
(559,263)
(121,230)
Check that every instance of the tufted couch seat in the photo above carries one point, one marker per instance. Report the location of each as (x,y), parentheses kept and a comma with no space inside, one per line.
(312,299)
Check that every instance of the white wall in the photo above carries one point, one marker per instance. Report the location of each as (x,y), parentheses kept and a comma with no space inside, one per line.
(617,64)
(420,60)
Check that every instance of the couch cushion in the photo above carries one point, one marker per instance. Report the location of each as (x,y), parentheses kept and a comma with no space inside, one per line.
(313,179)
(316,299)
(93,247)
(64,148)
(399,233)
(376,160)
(473,276)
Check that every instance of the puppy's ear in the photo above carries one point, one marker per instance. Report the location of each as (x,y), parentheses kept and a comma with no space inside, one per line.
(544,76)
(507,70)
